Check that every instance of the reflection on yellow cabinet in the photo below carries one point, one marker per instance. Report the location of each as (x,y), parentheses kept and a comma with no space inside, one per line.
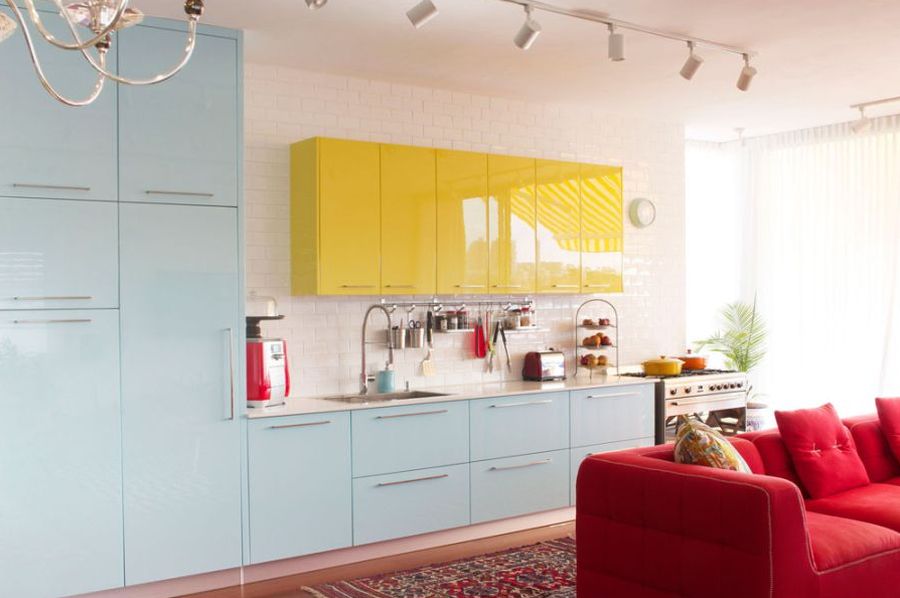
(335,215)
(462,248)
(511,222)
(558,227)
(408,221)
(601,229)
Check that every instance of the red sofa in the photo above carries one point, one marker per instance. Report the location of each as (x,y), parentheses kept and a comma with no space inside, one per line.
(651,528)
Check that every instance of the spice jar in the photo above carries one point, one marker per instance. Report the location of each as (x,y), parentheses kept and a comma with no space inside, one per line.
(440,322)
(452,320)
(525,318)
(462,320)
(513,319)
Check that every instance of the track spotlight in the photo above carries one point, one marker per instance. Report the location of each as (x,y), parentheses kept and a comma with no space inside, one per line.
(315,4)
(747,74)
(529,32)
(616,45)
(863,124)
(692,64)
(421,13)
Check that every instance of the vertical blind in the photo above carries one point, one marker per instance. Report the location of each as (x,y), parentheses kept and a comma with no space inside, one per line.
(818,225)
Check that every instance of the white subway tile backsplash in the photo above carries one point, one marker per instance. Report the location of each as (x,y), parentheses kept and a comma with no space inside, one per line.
(285,105)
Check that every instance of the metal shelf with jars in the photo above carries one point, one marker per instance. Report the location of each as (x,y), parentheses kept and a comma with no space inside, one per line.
(593,352)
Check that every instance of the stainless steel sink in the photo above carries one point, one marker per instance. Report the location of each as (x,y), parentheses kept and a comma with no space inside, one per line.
(388,396)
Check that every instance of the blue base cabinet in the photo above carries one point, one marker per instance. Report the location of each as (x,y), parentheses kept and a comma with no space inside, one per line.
(410,503)
(180,311)
(60,453)
(519,485)
(299,485)
(577,455)
(518,425)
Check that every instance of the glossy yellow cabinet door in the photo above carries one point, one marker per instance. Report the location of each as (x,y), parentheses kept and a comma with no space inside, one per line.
(335,217)
(558,227)
(409,220)
(601,229)
(511,221)
(462,248)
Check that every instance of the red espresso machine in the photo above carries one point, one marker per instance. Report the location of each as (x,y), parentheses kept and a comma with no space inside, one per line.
(268,376)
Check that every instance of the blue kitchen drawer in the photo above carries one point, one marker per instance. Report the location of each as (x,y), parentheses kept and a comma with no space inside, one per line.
(410,437)
(611,414)
(577,455)
(507,426)
(519,485)
(410,503)
(58,254)
(300,487)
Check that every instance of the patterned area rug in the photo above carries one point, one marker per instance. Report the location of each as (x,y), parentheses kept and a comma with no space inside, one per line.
(545,570)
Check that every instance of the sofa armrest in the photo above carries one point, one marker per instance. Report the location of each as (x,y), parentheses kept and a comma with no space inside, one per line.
(652,528)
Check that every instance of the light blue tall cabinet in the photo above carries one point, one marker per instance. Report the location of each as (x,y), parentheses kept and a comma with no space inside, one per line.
(121,324)
(181,305)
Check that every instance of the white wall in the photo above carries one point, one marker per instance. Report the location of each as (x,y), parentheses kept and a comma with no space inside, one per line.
(286,105)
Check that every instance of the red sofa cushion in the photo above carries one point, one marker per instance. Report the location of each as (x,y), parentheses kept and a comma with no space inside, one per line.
(822,450)
(889,414)
(875,503)
(837,541)
(873,448)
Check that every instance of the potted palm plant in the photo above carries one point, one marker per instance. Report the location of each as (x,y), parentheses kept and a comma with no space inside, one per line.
(741,341)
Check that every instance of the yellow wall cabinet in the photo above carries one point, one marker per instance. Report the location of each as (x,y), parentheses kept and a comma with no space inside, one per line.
(558,227)
(369,219)
(462,219)
(408,220)
(335,217)
(511,224)
(601,229)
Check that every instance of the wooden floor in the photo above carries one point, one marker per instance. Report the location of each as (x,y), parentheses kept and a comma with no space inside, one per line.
(289,587)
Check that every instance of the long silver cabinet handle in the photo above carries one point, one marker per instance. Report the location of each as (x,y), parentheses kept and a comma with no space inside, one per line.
(399,286)
(231,369)
(306,425)
(468,286)
(56,298)
(521,466)
(357,286)
(58,187)
(565,286)
(613,395)
(438,412)
(597,286)
(181,193)
(425,479)
(523,404)
(69,321)
(507,286)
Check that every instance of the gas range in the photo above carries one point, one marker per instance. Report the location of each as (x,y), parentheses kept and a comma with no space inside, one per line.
(718,397)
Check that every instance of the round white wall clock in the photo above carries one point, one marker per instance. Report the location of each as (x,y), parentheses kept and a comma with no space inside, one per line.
(642,212)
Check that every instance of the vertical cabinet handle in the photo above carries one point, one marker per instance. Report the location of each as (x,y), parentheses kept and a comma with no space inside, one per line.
(230,332)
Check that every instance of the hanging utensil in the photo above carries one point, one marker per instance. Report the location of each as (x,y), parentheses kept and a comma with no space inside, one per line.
(506,349)
(428,362)
(480,342)
(492,348)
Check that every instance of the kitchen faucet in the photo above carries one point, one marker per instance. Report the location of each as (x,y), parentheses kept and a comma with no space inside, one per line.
(364,378)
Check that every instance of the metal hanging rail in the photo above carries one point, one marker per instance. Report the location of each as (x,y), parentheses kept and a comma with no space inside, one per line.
(437,305)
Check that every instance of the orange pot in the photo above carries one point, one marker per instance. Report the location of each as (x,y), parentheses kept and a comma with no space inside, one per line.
(693,362)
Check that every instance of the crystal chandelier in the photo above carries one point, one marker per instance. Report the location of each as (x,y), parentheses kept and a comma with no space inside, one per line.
(102,18)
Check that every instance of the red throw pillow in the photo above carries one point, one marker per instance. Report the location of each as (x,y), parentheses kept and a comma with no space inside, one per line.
(889,414)
(822,450)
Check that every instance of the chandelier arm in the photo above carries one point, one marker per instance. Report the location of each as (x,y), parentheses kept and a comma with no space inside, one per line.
(188,52)
(64,14)
(29,42)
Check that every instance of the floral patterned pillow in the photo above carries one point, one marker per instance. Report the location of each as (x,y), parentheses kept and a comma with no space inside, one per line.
(698,444)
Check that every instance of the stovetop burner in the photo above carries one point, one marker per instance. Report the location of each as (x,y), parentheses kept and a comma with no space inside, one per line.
(683,374)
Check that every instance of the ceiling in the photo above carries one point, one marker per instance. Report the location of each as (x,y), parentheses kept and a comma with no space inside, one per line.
(815,56)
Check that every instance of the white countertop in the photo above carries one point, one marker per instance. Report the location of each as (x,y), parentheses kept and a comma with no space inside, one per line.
(303,406)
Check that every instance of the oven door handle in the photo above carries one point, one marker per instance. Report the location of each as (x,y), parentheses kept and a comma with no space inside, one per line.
(711,399)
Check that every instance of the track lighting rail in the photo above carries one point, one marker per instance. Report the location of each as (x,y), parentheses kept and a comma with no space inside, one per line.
(876,102)
(618,23)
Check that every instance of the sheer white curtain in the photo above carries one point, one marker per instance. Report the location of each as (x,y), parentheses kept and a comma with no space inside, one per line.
(820,227)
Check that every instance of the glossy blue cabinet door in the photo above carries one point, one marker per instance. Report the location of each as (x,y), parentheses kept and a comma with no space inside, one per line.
(299,485)
(58,254)
(577,455)
(410,437)
(181,399)
(179,140)
(611,414)
(48,149)
(410,503)
(519,485)
(517,425)
(60,453)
